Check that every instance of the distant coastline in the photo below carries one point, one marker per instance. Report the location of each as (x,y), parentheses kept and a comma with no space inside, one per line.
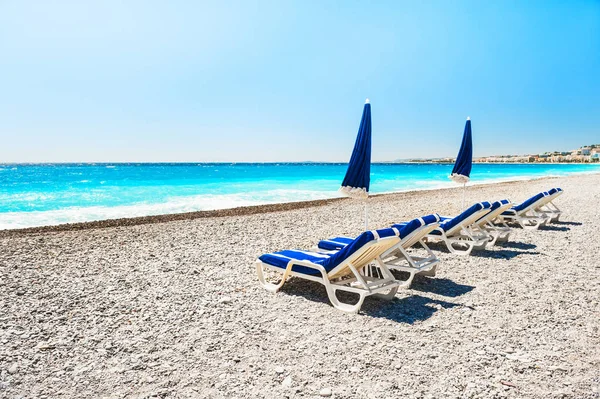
(582,155)
(445,162)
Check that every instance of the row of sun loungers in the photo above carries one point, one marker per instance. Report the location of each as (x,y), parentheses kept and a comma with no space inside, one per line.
(362,265)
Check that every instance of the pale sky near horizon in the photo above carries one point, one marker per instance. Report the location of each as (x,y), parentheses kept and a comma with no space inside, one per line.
(261,81)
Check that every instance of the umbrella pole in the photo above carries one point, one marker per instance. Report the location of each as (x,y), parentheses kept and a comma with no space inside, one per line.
(463,199)
(369,269)
(366,216)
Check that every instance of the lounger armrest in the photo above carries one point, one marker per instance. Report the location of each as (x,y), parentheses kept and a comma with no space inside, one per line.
(286,272)
(295,262)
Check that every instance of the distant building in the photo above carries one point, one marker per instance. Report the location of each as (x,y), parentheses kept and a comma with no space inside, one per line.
(589,153)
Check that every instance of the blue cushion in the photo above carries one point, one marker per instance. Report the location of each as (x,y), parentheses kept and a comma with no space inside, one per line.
(408,227)
(526,203)
(328,261)
(449,223)
(335,243)
(281,259)
(498,204)
(554,190)
(404,229)
(495,205)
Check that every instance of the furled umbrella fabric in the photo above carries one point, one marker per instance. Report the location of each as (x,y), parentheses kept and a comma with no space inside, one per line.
(358,176)
(464,161)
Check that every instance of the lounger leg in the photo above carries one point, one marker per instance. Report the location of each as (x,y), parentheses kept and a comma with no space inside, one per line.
(391,294)
(344,307)
(450,245)
(494,235)
(454,250)
(274,288)
(429,273)
(530,224)
(556,212)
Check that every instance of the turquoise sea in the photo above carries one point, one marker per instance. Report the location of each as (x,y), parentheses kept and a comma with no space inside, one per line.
(49,194)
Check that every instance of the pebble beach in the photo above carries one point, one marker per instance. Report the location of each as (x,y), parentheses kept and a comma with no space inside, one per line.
(170,306)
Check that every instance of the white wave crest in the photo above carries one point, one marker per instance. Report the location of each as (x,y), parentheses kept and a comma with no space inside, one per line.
(18,220)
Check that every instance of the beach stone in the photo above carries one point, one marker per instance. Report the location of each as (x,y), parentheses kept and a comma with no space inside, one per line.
(45,346)
(287,382)
(325,392)
(13,368)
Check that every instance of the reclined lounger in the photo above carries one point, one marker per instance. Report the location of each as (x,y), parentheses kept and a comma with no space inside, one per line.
(397,257)
(461,232)
(486,223)
(339,271)
(548,207)
(525,214)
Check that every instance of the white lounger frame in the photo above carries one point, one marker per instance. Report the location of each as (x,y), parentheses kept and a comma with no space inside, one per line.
(395,257)
(496,233)
(528,218)
(344,277)
(549,208)
(465,234)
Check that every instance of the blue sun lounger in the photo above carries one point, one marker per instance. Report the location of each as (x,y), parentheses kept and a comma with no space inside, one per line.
(526,214)
(460,233)
(486,222)
(548,207)
(398,256)
(338,271)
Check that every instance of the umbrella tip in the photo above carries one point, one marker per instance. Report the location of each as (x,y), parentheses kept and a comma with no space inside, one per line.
(367,101)
(468,118)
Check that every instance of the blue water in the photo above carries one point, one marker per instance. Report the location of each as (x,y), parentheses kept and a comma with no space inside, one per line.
(36,195)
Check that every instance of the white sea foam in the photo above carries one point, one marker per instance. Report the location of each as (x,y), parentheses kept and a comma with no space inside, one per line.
(17,220)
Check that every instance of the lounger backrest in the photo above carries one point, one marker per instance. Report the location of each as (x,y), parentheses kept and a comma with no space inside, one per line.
(526,205)
(550,196)
(495,210)
(411,232)
(363,250)
(418,234)
(467,218)
(407,228)
(554,192)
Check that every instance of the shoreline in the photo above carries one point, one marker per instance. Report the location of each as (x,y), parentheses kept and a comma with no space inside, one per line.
(240,211)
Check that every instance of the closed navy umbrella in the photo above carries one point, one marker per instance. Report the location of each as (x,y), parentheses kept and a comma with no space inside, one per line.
(358,176)
(464,161)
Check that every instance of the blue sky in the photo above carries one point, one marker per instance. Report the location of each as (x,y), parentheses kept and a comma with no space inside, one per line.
(286,80)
